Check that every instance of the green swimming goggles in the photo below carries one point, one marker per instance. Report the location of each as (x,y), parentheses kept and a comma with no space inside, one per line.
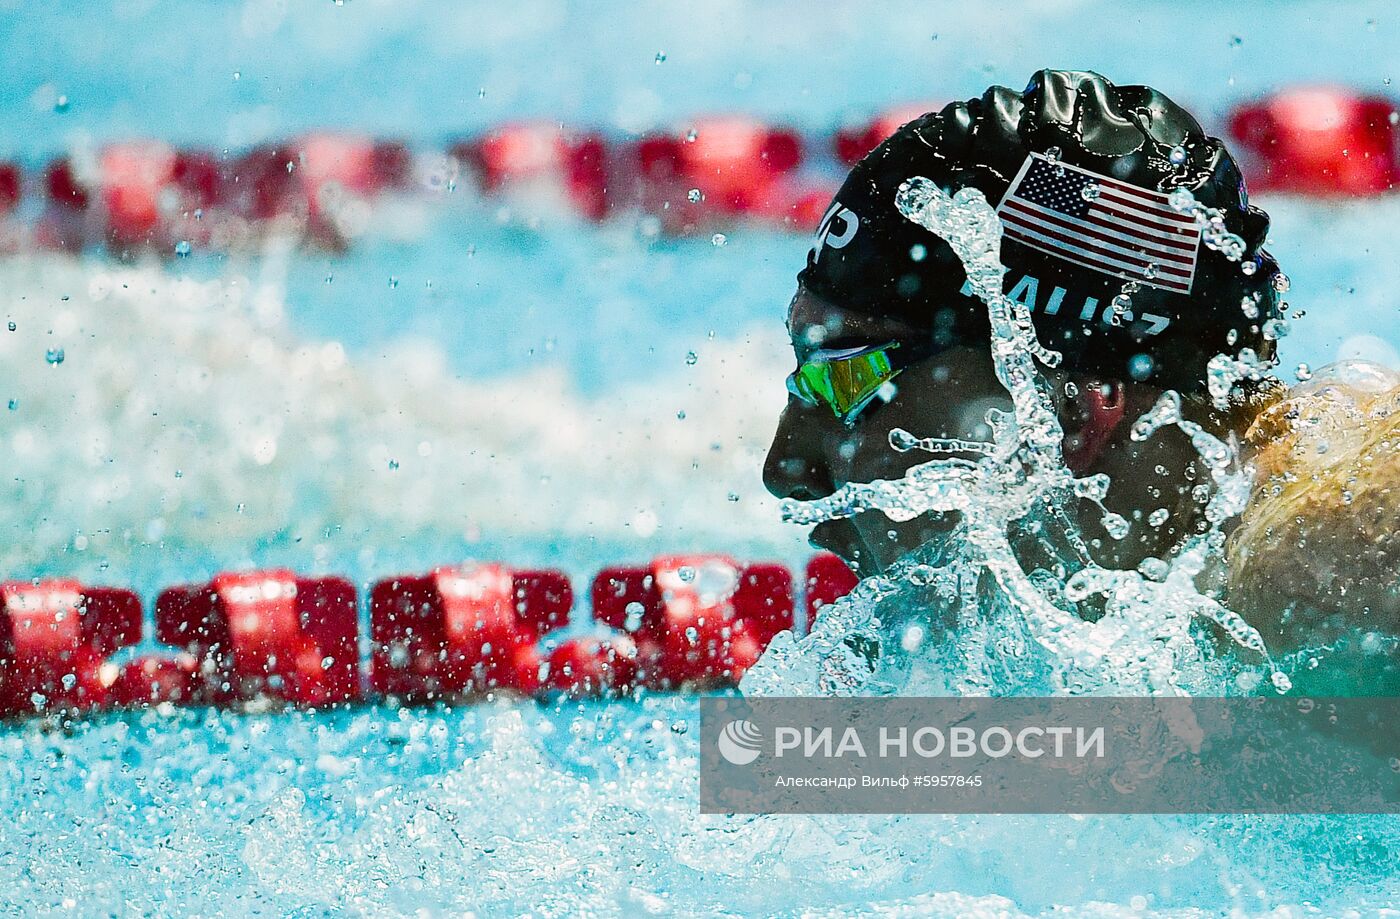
(845,380)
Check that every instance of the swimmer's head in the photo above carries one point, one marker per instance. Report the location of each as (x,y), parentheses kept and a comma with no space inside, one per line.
(1080,171)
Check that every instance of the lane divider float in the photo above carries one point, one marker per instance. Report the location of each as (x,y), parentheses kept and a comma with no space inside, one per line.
(715,171)
(467,632)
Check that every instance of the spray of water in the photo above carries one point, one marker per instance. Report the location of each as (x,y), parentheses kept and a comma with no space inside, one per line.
(1015,630)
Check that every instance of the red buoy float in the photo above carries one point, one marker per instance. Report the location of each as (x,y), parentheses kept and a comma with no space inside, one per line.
(541,162)
(1325,141)
(463,629)
(828,580)
(594,667)
(55,635)
(133,177)
(158,680)
(11,187)
(696,619)
(718,168)
(857,138)
(268,634)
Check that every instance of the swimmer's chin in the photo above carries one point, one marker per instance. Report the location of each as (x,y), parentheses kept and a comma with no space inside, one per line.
(840,537)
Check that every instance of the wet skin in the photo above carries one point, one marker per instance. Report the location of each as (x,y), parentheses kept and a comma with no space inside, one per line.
(947,395)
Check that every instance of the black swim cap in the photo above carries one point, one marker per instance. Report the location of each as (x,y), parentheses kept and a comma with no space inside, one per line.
(1079,171)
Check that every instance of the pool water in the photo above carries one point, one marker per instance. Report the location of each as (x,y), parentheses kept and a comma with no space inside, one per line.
(486,386)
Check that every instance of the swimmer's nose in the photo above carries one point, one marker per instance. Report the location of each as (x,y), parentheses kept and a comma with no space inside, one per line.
(795,467)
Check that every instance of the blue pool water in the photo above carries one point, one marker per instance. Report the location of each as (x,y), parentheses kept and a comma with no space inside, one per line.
(480,387)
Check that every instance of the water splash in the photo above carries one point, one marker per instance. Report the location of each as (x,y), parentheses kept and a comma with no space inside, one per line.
(1013,627)
(1224,372)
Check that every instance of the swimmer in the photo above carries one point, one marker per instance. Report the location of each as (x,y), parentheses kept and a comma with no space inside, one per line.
(888,336)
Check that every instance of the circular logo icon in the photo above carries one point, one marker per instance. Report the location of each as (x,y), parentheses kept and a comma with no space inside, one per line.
(739,742)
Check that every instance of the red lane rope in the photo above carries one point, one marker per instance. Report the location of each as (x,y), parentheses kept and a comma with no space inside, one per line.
(148,195)
(679,623)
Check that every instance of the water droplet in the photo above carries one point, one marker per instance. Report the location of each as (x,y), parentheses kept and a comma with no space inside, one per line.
(691,135)
(718,240)
(393,282)
(12,326)
(1177,156)
(695,196)
(1115,525)
(1181,200)
(1249,305)
(902,441)
(182,248)
(1090,192)
(686,573)
(1154,569)
(1394,117)
(679,727)
(691,357)
(481,93)
(1249,267)
(1149,272)
(54,356)
(918,252)
(1140,366)
(634,612)
(14,404)
(923,575)
(1281,282)
(1303,372)
(680,416)
(393,464)
(692,635)
(1053,154)
(733,497)
(1158,517)
(661,57)
(60,104)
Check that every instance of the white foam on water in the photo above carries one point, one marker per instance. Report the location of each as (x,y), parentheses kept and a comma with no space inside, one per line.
(508,810)
(185,417)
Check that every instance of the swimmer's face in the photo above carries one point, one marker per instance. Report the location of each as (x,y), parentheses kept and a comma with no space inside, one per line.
(948,395)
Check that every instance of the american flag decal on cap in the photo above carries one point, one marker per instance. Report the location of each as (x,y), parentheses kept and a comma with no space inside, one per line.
(1100,223)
